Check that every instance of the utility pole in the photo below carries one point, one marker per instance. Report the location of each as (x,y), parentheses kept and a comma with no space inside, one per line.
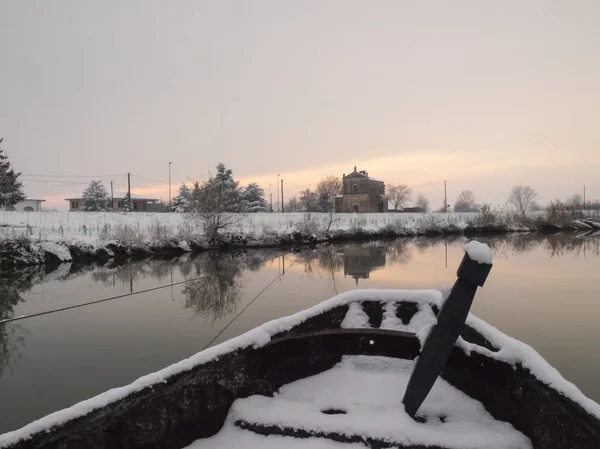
(112,197)
(583,197)
(271,195)
(128,192)
(170,186)
(282,196)
(445,198)
(277,185)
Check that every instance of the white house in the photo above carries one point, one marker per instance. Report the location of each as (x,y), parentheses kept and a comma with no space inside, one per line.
(139,203)
(27,205)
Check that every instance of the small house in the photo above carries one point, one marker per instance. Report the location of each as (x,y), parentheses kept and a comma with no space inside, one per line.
(139,203)
(27,205)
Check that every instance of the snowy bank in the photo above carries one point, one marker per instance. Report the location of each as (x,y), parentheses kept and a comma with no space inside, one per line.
(44,237)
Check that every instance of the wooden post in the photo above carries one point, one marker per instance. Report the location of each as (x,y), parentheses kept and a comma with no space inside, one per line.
(128,192)
(445,198)
(442,337)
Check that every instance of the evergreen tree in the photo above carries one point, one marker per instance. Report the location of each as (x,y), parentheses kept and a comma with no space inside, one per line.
(253,199)
(95,197)
(215,201)
(224,187)
(324,203)
(11,189)
(127,204)
(181,203)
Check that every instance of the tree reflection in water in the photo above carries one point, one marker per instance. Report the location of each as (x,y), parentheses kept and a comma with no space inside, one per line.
(217,292)
(12,335)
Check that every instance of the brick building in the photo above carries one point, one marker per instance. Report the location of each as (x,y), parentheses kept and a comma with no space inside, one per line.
(361,193)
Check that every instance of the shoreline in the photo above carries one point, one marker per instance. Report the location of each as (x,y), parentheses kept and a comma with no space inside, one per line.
(21,251)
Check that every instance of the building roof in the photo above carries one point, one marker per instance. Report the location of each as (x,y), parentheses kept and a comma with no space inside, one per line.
(362,174)
(31,199)
(118,196)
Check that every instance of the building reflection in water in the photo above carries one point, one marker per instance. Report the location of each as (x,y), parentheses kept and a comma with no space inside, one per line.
(360,260)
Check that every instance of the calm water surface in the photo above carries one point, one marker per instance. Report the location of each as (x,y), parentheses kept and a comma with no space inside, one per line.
(543,291)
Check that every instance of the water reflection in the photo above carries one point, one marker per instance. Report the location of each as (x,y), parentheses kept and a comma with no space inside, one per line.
(214,279)
(12,335)
(215,292)
(542,291)
(586,244)
(217,281)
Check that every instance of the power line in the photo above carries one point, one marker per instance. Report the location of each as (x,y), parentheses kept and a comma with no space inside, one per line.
(148,179)
(126,295)
(247,305)
(73,176)
(58,182)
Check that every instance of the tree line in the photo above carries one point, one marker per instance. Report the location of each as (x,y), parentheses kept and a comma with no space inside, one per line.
(222,192)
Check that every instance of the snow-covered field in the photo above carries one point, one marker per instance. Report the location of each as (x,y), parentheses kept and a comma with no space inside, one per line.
(47,237)
(96,227)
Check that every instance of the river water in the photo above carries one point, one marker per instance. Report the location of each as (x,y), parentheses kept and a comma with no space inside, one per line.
(544,291)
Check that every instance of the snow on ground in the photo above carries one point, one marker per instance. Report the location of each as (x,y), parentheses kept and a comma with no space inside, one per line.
(510,350)
(479,252)
(96,227)
(61,252)
(370,391)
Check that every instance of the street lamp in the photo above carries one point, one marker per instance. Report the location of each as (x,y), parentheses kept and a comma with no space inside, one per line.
(277,185)
(170,186)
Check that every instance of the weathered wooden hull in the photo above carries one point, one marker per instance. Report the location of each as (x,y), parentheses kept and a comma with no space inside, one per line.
(193,404)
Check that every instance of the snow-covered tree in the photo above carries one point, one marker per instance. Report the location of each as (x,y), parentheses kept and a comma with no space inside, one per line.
(327,189)
(127,204)
(215,201)
(324,202)
(95,197)
(227,189)
(253,199)
(422,202)
(181,203)
(11,189)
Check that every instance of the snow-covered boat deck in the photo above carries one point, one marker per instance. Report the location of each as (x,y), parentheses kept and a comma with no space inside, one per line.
(360,400)
(356,399)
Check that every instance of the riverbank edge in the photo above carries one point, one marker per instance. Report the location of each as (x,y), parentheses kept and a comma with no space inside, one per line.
(21,251)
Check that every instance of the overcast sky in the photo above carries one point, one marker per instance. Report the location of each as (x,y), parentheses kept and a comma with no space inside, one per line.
(484,94)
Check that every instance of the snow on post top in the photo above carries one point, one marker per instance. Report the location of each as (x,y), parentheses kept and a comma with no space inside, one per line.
(479,252)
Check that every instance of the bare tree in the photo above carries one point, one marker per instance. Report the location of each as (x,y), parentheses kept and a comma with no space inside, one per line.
(398,195)
(308,200)
(465,202)
(575,201)
(522,198)
(327,189)
(292,205)
(422,202)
